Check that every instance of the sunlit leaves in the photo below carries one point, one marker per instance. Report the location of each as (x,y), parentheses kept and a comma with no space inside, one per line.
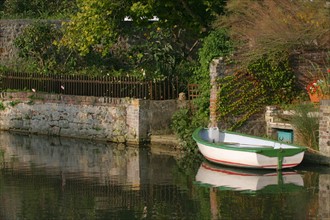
(98,23)
(94,27)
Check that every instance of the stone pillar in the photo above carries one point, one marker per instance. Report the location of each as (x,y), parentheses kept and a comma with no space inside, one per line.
(324,127)
(137,121)
(217,69)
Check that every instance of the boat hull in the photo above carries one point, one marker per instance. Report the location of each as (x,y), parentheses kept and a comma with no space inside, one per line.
(261,156)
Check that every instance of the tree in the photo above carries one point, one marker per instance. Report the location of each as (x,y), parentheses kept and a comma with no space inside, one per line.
(98,23)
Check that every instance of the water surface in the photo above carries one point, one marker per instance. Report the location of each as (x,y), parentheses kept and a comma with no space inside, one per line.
(57,178)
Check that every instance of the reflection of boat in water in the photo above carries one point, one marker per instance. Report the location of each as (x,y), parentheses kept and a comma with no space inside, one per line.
(229,178)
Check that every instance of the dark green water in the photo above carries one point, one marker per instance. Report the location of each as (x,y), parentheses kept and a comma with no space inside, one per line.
(52,178)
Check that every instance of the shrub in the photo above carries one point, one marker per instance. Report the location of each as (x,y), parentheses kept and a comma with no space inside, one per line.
(184,122)
(38,8)
(36,44)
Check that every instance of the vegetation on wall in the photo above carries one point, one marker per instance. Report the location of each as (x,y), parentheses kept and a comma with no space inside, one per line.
(216,44)
(248,92)
(186,120)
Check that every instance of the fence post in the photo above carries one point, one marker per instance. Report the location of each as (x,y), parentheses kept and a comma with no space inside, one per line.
(150,90)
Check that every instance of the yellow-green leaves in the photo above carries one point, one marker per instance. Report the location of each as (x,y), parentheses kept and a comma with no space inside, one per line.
(93,28)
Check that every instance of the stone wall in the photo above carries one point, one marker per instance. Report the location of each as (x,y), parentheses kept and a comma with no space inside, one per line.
(112,119)
(324,129)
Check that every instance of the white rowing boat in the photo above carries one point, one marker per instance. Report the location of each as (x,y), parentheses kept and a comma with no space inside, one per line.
(240,150)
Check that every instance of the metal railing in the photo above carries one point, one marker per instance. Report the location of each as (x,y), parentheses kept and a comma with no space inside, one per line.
(100,86)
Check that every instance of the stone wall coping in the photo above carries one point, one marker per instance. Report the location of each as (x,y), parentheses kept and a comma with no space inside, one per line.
(25,21)
(62,98)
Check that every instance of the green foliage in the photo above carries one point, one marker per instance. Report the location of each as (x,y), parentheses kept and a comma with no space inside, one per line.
(36,44)
(306,124)
(246,93)
(240,96)
(37,8)
(156,54)
(216,44)
(14,103)
(276,78)
(95,26)
(98,24)
(184,122)
(40,53)
(2,106)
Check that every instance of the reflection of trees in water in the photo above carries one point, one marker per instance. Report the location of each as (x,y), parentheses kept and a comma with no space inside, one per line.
(83,197)
(2,158)
(71,178)
(311,180)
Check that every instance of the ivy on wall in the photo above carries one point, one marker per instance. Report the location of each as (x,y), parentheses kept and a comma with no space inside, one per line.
(240,96)
(247,92)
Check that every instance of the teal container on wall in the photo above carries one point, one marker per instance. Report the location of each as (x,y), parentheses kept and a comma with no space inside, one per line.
(285,136)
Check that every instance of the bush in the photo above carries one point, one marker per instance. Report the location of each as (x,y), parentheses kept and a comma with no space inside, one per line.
(37,8)
(36,44)
(184,122)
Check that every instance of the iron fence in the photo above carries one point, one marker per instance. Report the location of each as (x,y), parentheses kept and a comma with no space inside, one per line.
(101,86)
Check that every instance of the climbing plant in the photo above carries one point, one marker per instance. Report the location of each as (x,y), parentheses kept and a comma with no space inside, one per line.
(247,92)
(216,44)
(240,96)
